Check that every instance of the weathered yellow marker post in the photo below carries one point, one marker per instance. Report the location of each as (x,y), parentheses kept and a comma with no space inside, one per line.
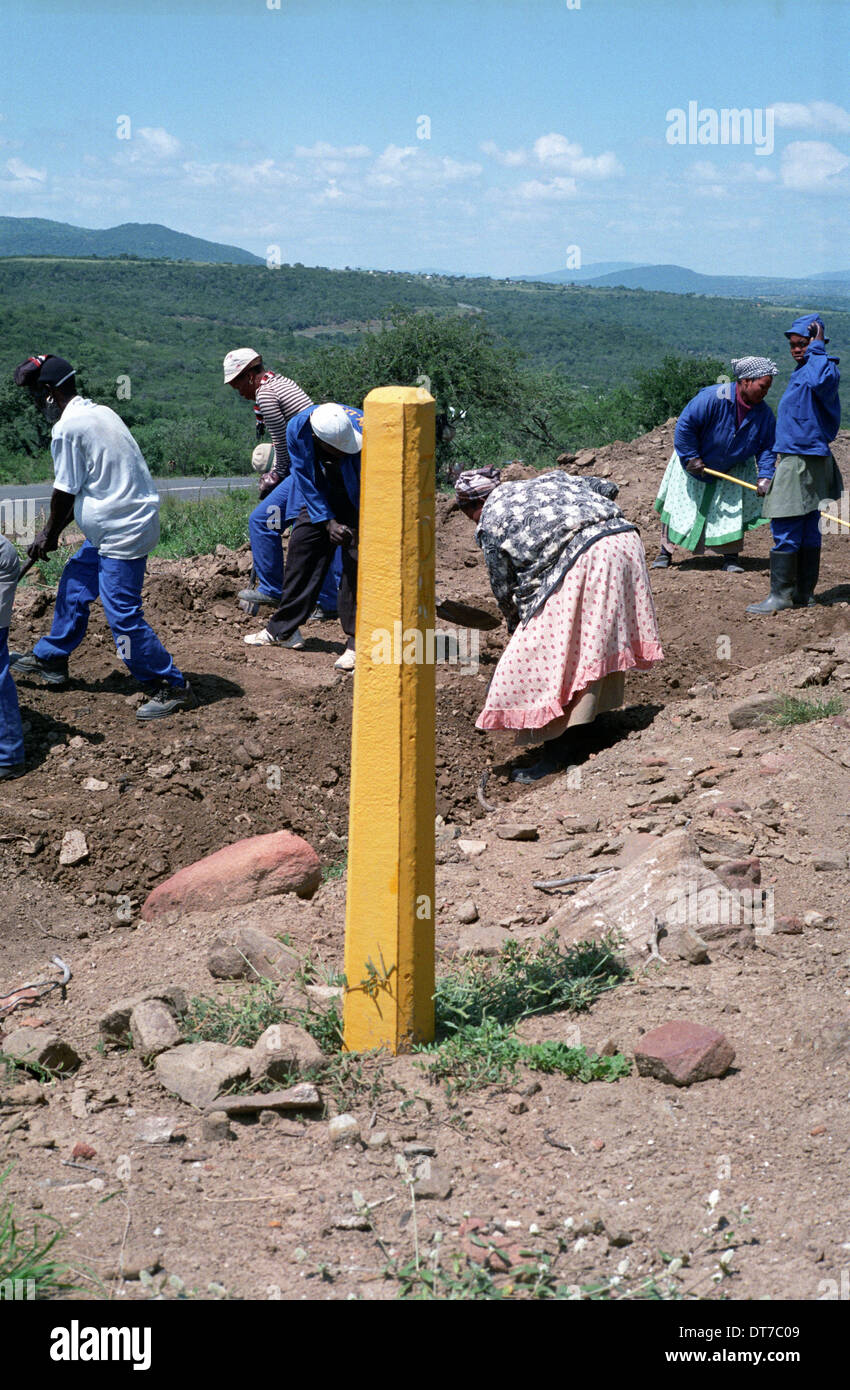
(389,924)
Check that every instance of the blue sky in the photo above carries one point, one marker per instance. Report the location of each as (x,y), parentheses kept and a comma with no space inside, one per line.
(486,136)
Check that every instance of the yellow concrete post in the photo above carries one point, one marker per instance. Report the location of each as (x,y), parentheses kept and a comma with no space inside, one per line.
(389,924)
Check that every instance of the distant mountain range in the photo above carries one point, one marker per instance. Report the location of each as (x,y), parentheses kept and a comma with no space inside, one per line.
(35,236)
(677,279)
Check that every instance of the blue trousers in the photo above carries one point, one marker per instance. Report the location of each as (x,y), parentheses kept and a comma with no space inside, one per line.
(11,733)
(791,533)
(87,576)
(265,525)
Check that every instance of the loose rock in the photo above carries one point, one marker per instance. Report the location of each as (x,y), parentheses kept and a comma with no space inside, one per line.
(482,941)
(153,1028)
(284,1052)
(304,1096)
(517,832)
(681,1053)
(157,1129)
(343,1128)
(262,866)
(197,1072)
(74,848)
(40,1047)
(432,1182)
(114,1025)
(756,712)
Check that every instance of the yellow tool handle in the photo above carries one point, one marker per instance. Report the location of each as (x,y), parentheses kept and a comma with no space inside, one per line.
(727,477)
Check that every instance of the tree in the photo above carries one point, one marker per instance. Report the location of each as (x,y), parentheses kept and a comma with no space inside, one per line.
(472,376)
(666,390)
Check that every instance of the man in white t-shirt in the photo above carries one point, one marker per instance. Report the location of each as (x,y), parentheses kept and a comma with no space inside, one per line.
(102,479)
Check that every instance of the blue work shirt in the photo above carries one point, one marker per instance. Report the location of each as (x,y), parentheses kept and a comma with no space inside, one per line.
(809,413)
(307,487)
(708,429)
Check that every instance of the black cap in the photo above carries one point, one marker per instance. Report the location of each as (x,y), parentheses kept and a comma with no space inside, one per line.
(55,371)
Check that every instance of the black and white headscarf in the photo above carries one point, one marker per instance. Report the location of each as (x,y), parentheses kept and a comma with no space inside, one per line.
(750,368)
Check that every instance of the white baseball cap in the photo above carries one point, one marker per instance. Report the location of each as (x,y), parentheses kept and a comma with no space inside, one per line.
(235,363)
(262,458)
(334,426)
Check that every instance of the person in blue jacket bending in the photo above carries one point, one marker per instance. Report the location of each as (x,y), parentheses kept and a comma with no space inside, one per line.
(324,443)
(276,512)
(806,473)
(723,427)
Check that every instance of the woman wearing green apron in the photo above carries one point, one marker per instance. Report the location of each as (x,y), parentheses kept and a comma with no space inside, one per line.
(724,427)
(806,474)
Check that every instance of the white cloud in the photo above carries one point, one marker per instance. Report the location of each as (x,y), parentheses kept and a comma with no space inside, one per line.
(511,159)
(706,173)
(537,190)
(400,165)
(814,115)
(22,171)
(264,173)
(557,152)
(321,150)
(158,142)
(812,166)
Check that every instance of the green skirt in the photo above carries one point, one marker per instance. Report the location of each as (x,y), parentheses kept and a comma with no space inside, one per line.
(687,505)
(801,482)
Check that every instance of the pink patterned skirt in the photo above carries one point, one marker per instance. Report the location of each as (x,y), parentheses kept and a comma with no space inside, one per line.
(599,623)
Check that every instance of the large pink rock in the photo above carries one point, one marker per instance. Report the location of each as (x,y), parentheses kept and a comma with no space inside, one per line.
(263,866)
(681,1053)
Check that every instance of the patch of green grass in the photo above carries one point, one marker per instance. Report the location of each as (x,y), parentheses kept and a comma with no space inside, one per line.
(28,1269)
(457,1278)
(239,1022)
(490,1054)
(13,1071)
(324,1026)
(197,527)
(332,872)
(352,1078)
(797,711)
(526,978)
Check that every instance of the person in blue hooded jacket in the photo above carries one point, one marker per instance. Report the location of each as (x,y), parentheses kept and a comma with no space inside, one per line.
(806,473)
(324,443)
(724,427)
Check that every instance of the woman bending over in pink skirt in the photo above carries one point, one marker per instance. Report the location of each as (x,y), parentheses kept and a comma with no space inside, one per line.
(569,573)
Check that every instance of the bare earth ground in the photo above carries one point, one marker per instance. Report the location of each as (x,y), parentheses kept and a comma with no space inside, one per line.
(756,1162)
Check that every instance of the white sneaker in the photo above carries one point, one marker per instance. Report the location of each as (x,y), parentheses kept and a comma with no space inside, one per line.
(265,639)
(345,662)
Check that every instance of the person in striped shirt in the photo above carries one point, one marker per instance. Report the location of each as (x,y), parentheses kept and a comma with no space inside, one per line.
(276,400)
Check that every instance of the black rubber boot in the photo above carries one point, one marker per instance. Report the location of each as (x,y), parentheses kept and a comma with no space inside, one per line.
(808,569)
(783,582)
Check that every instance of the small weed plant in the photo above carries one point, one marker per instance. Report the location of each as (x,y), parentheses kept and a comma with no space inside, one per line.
(237,1022)
(527,978)
(28,1268)
(796,711)
(490,1054)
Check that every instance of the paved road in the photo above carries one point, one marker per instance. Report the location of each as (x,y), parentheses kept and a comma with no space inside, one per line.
(185,489)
